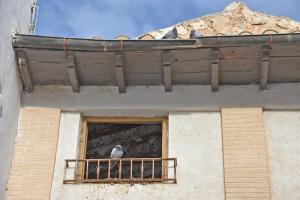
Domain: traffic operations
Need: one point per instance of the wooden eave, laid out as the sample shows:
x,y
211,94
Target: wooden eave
x,y
215,61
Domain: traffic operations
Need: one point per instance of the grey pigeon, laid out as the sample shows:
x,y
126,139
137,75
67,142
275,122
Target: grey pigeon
x,y
116,152
194,34
172,34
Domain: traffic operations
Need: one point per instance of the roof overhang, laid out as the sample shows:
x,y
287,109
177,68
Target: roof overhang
x,y
218,60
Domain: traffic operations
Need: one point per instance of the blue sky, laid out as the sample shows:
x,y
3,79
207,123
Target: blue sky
x,y
109,18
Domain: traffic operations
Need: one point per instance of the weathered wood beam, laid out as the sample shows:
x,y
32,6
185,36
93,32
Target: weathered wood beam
x,y
166,59
119,72
31,41
215,69
24,70
264,70
71,65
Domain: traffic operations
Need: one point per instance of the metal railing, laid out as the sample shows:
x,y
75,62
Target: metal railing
x,y
124,170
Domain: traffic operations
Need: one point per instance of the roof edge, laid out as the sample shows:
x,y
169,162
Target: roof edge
x,y
80,44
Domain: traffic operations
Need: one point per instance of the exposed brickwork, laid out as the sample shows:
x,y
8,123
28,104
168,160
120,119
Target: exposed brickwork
x,y
245,157
34,155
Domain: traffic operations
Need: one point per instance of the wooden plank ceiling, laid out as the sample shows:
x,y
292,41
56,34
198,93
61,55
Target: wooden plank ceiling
x,y
234,65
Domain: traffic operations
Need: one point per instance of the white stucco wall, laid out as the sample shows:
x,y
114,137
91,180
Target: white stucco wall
x,y
194,139
153,100
69,131
283,139
14,16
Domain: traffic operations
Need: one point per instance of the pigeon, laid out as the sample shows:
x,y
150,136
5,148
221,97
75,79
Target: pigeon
x,y
116,152
194,34
172,34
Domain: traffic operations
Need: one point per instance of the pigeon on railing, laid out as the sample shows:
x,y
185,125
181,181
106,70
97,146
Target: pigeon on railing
x,y
116,153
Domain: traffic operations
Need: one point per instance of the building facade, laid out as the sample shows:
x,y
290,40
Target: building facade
x,y
212,117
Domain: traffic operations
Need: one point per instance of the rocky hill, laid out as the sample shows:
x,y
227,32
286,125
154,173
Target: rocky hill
x,y
236,19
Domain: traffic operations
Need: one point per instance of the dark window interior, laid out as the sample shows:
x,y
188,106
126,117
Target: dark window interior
x,y
137,140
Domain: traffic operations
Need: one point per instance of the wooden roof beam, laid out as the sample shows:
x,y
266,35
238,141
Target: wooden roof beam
x,y
24,70
72,72
215,69
166,59
264,70
119,72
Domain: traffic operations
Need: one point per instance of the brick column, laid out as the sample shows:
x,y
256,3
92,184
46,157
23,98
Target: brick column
x,y
245,157
32,166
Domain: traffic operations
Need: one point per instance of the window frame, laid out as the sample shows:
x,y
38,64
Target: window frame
x,y
79,176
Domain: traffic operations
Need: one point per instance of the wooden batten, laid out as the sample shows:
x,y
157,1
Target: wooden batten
x,y
24,70
264,71
79,174
72,72
215,70
119,72
166,59
165,147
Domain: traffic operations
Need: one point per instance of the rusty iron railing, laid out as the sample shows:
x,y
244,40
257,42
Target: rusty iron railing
x,y
124,170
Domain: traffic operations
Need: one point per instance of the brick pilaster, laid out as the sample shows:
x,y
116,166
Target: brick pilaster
x,y
245,157
32,166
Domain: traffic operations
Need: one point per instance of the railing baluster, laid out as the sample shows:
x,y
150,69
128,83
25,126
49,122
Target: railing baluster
x,y
142,169
175,166
87,170
65,168
85,176
120,170
108,173
153,166
98,169
131,169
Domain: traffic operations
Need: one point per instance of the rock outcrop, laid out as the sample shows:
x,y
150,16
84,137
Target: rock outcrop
x,y
236,19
